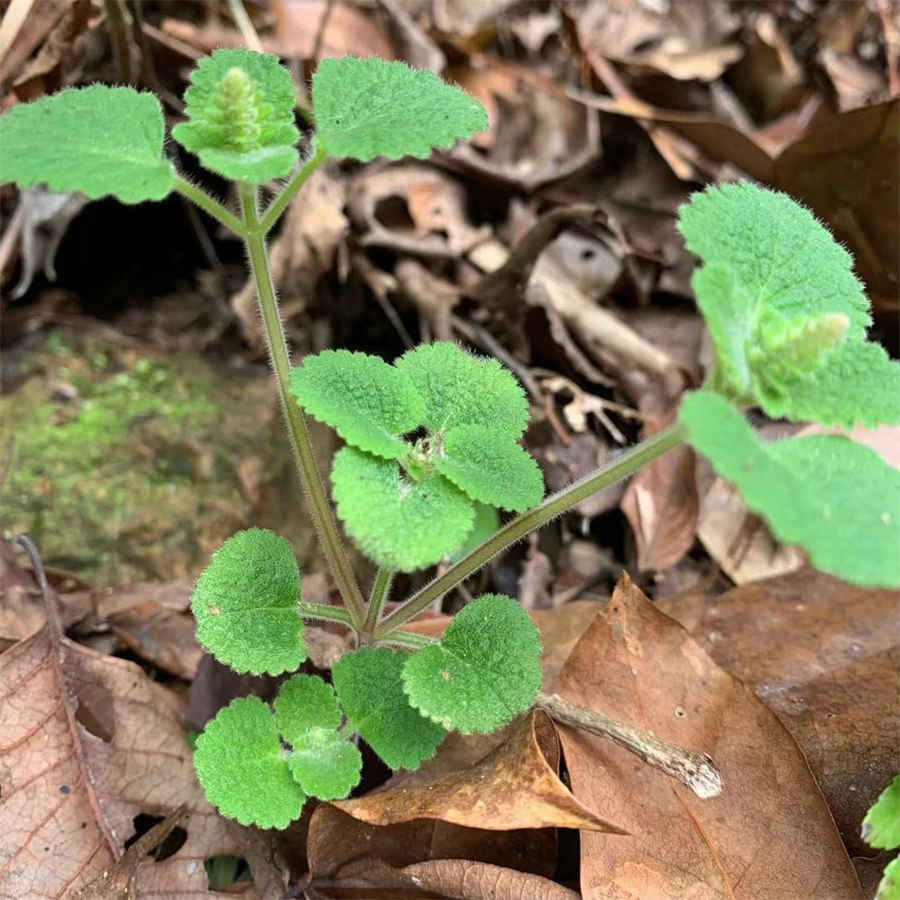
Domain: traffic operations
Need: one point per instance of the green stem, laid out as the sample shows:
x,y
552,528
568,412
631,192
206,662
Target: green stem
x,y
408,640
324,613
318,505
280,203
380,588
211,207
515,530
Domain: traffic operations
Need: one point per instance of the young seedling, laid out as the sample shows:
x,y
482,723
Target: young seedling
x,y
881,829
432,440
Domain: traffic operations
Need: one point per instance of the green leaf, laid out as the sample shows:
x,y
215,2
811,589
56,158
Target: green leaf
x,y
245,604
369,685
370,107
98,140
490,468
461,389
307,714
838,500
241,765
397,522
881,826
485,671
889,886
368,402
487,521
787,315
240,109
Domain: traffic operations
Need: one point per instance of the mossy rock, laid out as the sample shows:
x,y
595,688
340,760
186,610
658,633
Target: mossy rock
x,y
130,466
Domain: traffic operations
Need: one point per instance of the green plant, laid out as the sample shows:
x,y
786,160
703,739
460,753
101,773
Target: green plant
x,y
432,441
881,829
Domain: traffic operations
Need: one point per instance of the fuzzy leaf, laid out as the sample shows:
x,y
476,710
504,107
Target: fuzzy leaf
x,y
487,521
370,107
398,523
98,140
245,604
240,109
461,389
838,500
307,713
881,826
368,402
485,671
490,468
786,313
369,686
889,886
239,762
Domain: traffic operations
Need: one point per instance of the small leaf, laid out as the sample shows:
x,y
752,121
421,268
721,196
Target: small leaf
x,y
487,521
368,402
461,389
397,522
490,468
307,714
98,140
786,313
881,826
368,684
889,886
240,109
485,671
241,766
370,107
245,604
838,500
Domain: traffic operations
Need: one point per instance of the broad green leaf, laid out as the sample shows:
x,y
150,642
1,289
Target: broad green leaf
x,y
240,109
786,313
368,402
397,522
307,713
98,140
490,467
838,500
487,521
370,107
881,826
240,763
889,886
368,683
485,671
245,604
461,389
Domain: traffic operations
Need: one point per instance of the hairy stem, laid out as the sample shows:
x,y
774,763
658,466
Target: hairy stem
x,y
323,613
408,640
280,203
380,589
211,207
696,770
314,489
515,530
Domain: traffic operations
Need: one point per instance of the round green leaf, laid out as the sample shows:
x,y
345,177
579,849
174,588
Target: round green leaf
x,y
245,604
368,402
370,107
487,521
889,886
369,686
485,671
240,109
98,140
240,763
398,523
881,826
461,389
490,467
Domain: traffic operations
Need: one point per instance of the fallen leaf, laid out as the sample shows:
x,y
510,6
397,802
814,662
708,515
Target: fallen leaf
x,y
825,656
768,834
515,786
339,28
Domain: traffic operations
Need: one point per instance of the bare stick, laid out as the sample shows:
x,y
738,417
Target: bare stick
x,y
696,770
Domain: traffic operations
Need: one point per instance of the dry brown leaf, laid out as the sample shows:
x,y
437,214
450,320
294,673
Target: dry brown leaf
x,y
87,743
347,30
768,834
825,656
515,786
